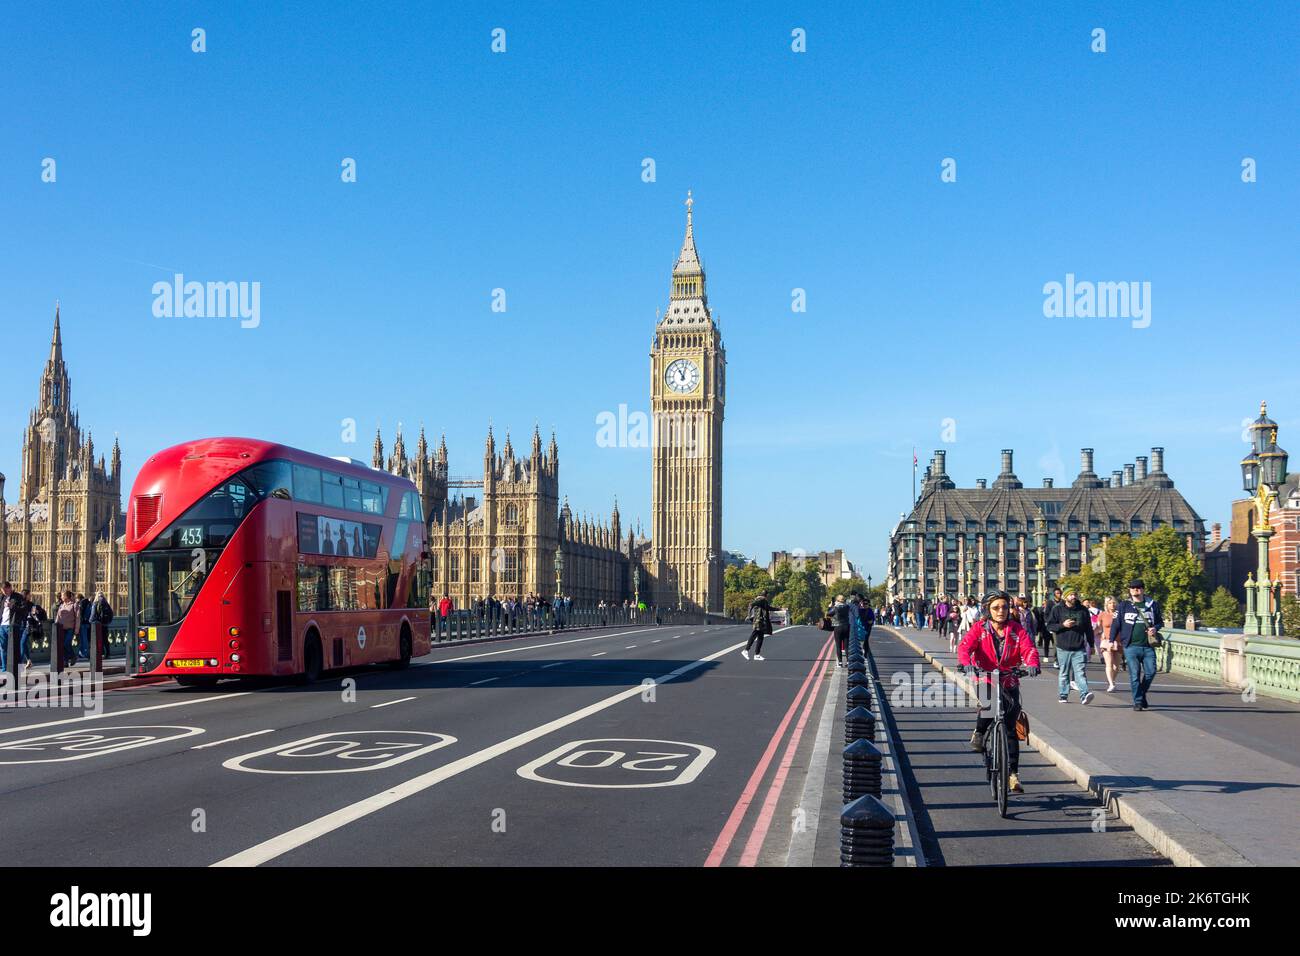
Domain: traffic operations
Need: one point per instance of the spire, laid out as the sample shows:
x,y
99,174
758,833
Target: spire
x,y
56,343
553,452
687,302
377,458
422,446
509,450
442,449
491,448
537,442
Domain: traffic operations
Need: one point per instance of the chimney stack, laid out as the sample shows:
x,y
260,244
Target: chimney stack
x,y
1157,461
1116,478
1085,460
940,462
1006,460
1128,474
1217,535
981,483
1048,482
1141,474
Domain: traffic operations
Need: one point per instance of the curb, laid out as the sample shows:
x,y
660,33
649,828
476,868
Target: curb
x,y
1169,832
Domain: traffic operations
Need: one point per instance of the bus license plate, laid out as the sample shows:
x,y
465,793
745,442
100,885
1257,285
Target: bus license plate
x,y
190,663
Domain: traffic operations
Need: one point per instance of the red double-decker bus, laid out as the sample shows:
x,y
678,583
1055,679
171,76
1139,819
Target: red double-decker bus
x,y
249,558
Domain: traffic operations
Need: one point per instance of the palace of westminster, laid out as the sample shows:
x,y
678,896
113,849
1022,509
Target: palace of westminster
x,y
64,531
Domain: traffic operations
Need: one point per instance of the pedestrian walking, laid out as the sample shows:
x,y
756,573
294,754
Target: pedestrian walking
x,y
838,612
1137,627
13,621
1071,628
66,626
101,615
760,613
1110,649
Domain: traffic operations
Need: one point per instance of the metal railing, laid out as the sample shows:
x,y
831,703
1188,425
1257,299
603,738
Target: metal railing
x,y
468,625
40,639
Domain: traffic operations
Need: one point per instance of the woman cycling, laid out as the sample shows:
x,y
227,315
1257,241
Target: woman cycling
x,y
997,641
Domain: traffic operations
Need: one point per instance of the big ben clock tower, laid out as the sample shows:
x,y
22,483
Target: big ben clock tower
x,y
687,390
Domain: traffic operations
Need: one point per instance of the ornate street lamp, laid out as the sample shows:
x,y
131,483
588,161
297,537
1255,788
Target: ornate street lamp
x,y
969,554
1263,471
559,569
1040,586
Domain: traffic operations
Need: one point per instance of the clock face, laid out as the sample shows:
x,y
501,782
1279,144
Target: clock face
x,y
682,376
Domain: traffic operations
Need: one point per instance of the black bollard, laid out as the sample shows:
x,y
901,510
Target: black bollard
x,y
866,833
859,695
861,770
860,723
858,677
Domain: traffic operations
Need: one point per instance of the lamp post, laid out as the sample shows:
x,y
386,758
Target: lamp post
x,y
1040,585
559,570
968,556
1262,471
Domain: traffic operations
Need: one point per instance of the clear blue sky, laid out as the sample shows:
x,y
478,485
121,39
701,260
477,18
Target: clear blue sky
x,y
522,171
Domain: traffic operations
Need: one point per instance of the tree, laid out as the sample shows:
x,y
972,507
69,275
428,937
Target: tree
x,y
1224,611
1171,573
801,590
1290,615
741,584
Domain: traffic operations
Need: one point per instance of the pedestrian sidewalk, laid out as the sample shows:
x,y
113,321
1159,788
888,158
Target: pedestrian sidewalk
x,y
1204,776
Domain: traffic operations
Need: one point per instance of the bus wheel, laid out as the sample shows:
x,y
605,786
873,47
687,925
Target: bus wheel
x,y
196,680
404,660
313,663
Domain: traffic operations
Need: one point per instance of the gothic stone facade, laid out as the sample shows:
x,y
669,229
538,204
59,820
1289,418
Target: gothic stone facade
x,y
63,531
688,366
992,531
505,544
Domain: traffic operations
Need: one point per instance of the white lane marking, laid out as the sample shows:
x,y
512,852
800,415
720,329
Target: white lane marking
x,y
629,647
299,836
388,749
600,654
231,740
544,666
400,700
93,742
123,713
529,647
656,640
485,681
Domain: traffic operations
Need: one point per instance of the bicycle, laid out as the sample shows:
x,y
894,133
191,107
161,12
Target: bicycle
x,y
996,757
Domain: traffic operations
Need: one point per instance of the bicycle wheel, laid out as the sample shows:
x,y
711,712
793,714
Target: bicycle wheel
x,y
991,759
1004,770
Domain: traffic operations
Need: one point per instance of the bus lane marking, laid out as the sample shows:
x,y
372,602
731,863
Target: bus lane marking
x,y
283,843
371,749
583,761
93,742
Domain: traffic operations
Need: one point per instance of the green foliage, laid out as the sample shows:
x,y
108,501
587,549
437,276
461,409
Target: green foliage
x,y
1224,611
877,595
801,590
1172,574
1290,615
740,585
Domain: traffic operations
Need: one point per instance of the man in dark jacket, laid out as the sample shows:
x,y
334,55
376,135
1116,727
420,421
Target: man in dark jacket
x,y
13,618
760,612
1137,626
1071,626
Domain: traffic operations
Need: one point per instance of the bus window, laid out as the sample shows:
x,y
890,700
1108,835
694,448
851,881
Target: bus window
x,y
270,478
370,502
306,484
331,490
351,494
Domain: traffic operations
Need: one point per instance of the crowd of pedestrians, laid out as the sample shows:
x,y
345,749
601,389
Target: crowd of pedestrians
x,y
530,611
1068,633
76,620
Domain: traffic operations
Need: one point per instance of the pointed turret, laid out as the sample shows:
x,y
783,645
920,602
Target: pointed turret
x,y
688,301
537,443
442,449
508,450
377,458
422,447
117,458
56,343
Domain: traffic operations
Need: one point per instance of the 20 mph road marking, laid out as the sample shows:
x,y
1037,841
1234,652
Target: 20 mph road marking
x,y
300,836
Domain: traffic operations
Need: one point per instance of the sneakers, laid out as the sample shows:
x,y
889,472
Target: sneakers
x,y
1144,704
1063,699
1013,784
1086,697
1137,706
976,741
758,657
745,654
1110,689
1073,686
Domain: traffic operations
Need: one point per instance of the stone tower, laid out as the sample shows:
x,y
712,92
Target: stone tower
x,y
687,392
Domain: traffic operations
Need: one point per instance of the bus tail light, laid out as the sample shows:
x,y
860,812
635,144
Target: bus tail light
x,y
234,632
234,645
234,667
213,662
234,658
144,646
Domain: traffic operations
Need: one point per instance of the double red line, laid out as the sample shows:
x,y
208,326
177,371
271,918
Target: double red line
x,y
808,695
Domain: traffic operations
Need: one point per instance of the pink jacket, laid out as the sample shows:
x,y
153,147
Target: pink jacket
x,y
976,649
